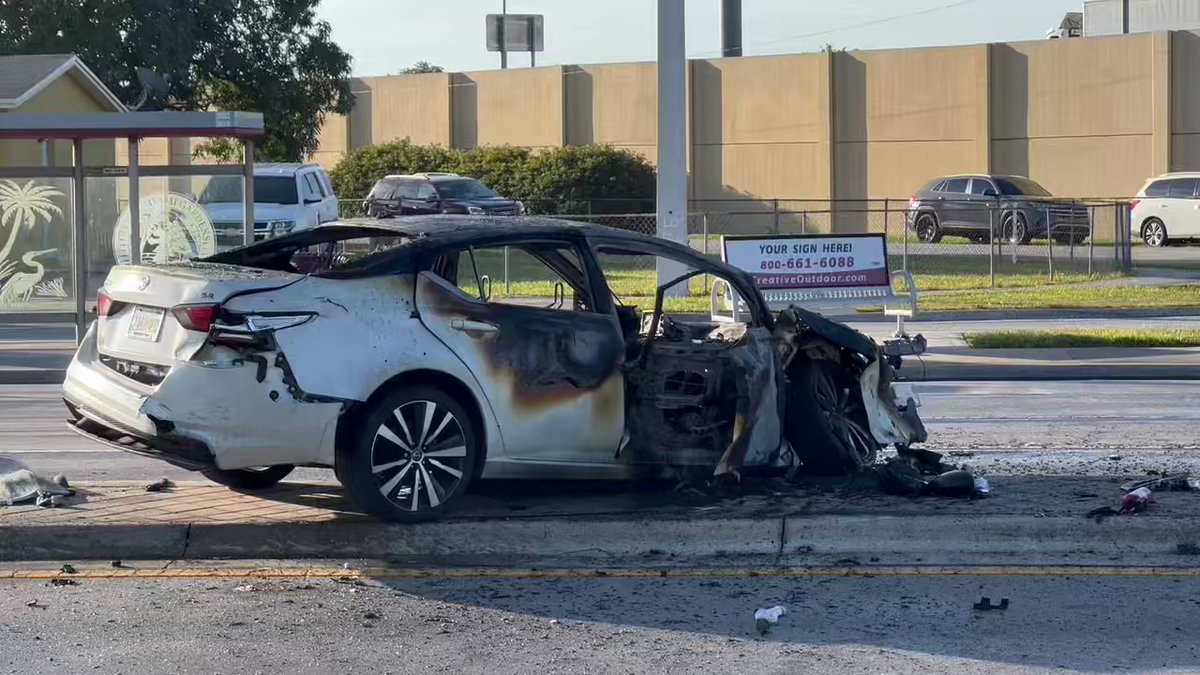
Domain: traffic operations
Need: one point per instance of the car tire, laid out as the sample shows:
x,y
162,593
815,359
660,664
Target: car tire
x,y
249,479
394,472
1154,233
826,423
927,229
1014,227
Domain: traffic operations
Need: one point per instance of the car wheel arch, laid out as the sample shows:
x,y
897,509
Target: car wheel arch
x,y
350,422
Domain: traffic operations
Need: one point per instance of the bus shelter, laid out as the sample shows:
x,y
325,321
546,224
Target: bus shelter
x,y
63,227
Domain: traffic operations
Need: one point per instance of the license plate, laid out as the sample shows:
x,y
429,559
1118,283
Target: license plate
x,y
146,323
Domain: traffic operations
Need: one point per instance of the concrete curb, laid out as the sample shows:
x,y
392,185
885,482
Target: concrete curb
x,y
638,542
929,370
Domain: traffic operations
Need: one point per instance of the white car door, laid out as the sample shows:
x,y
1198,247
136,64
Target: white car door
x,y
313,197
329,205
1184,209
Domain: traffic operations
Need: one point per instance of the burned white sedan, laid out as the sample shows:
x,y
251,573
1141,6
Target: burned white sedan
x,y
414,356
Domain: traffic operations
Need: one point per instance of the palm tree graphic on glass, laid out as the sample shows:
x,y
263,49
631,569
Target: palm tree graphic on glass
x,y
21,207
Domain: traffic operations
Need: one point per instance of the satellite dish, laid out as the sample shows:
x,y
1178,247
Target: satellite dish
x,y
156,91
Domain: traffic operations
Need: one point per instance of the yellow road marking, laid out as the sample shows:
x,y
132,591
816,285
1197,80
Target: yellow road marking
x,y
500,573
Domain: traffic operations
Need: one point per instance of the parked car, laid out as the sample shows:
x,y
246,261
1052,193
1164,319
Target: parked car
x,y
1167,209
1014,207
287,198
427,193
391,362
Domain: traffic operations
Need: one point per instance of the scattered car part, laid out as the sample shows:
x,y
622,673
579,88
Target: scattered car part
x,y
766,617
985,604
1136,501
160,485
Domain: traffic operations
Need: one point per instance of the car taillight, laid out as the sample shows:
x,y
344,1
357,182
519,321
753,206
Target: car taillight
x,y
1133,204
195,317
104,304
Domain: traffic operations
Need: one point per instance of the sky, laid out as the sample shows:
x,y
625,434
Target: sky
x,y
384,36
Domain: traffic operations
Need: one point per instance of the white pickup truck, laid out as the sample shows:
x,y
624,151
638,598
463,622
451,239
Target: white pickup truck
x,y
287,198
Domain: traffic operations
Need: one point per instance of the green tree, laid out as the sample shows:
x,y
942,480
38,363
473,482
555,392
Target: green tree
x,y
272,56
422,67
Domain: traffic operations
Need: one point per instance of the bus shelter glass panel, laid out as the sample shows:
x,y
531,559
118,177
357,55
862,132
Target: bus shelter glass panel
x,y
175,222
37,251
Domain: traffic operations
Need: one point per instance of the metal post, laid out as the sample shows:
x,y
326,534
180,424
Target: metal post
x,y
248,190
731,28
45,146
775,210
529,37
993,244
135,202
804,222
81,256
1049,243
500,34
672,137
885,218
704,227
904,254
1092,238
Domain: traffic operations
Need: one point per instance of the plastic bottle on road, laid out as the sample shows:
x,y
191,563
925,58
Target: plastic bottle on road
x,y
1136,501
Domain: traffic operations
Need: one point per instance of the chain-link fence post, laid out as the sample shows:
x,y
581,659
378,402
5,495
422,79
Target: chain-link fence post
x,y
507,285
804,222
776,225
993,244
1092,238
1049,242
704,228
904,255
885,220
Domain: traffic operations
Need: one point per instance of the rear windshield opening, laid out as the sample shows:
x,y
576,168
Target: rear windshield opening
x,y
313,252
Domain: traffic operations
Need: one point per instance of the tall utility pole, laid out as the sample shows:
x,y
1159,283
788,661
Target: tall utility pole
x,y
672,137
503,54
731,28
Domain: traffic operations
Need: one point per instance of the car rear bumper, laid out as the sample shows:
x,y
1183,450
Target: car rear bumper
x,y
231,413
108,408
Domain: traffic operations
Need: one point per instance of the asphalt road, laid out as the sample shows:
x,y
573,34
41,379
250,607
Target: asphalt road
x,y
1068,428
600,625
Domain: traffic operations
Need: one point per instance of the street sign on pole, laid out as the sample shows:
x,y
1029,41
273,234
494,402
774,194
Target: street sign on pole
x,y
515,33
672,137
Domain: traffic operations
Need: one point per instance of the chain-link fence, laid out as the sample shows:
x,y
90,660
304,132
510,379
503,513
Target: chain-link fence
x,y
944,247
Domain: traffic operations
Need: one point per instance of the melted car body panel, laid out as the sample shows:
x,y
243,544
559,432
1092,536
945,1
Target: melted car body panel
x,y
552,376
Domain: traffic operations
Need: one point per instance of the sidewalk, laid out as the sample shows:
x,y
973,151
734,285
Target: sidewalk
x,y
1026,521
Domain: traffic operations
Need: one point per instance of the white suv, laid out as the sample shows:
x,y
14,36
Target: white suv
x,y
287,198
1167,209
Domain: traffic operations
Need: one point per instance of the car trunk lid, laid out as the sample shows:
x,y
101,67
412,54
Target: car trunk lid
x,y
136,324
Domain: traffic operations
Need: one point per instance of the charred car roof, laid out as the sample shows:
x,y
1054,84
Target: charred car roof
x,y
435,233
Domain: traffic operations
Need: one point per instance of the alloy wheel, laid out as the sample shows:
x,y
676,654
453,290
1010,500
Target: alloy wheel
x,y
840,410
1155,234
419,455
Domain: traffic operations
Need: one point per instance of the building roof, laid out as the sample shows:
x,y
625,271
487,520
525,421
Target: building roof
x,y
155,124
24,76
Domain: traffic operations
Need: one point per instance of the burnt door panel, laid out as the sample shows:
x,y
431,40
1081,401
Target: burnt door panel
x,y
552,377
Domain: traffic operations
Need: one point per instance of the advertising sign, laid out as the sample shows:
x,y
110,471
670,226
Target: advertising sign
x,y
810,261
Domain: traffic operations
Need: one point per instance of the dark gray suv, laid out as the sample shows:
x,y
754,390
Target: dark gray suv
x,y
1015,208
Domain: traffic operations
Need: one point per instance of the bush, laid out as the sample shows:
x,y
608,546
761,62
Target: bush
x,y
589,179
572,180
355,175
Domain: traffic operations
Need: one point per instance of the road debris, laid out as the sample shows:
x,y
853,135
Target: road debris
x,y
985,604
768,616
916,472
1164,483
116,563
159,485
244,589
35,605
60,581
68,568
60,480
1136,501
19,484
